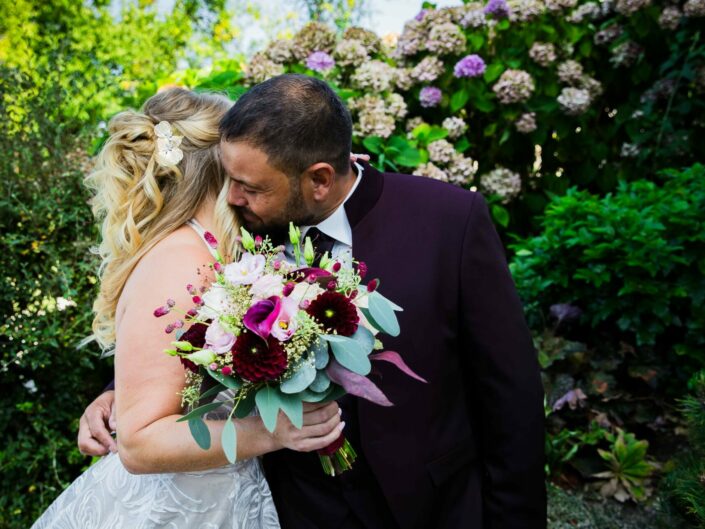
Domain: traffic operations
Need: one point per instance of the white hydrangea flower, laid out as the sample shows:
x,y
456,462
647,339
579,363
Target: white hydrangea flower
x,y
441,151
431,170
501,182
455,126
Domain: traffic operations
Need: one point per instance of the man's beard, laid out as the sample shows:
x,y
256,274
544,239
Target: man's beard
x,y
277,228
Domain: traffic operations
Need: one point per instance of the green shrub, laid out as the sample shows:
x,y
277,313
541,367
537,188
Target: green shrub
x,y
633,261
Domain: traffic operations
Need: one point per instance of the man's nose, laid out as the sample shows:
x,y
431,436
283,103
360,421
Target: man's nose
x,y
236,197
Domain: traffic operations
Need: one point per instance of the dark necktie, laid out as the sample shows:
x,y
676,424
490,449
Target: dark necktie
x,y
322,243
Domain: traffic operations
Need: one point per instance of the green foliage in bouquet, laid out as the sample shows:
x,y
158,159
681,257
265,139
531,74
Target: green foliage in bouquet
x,y
686,482
632,260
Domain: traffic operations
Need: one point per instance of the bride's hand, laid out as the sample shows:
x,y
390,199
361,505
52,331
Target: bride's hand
x,y
355,157
321,426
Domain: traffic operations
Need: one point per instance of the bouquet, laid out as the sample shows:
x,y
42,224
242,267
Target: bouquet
x,y
277,335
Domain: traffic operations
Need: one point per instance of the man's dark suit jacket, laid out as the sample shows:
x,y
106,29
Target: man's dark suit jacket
x,y
465,450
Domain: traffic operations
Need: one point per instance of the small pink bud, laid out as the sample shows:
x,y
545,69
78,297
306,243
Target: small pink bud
x,y
170,302
211,240
277,265
258,241
311,279
161,311
227,371
288,289
336,267
331,285
213,366
372,285
169,328
362,269
178,324
353,294
304,304
197,300
203,289
191,290
192,313
217,267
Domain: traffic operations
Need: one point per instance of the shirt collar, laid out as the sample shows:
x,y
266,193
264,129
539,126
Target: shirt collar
x,y
337,225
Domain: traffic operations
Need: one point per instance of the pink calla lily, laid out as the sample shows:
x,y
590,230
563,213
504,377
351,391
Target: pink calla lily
x,y
261,316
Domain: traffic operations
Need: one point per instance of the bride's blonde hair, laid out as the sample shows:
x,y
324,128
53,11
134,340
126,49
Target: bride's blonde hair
x,y
140,202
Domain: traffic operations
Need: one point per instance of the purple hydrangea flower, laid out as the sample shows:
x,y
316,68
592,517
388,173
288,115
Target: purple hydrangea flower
x,y
421,14
497,8
320,61
430,96
470,66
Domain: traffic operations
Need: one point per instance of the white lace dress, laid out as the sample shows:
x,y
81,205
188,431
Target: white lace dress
x,y
107,496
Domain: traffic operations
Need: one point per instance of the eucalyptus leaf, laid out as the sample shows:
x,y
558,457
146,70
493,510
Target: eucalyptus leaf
x,y
349,353
268,403
300,380
229,441
311,396
200,411
200,432
320,353
228,382
292,406
321,383
383,313
365,338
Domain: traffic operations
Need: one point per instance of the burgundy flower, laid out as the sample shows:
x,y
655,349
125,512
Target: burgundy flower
x,y
335,312
195,335
257,360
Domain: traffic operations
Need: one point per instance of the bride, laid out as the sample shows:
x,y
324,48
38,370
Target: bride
x,y
158,187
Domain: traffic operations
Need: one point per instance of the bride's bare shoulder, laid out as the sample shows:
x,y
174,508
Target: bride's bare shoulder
x,y
180,256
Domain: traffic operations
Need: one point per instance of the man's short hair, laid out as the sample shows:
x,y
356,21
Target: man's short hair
x,y
296,120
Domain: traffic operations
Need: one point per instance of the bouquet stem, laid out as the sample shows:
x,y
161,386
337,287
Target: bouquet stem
x,y
337,460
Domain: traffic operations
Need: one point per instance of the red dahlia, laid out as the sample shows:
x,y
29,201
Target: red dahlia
x,y
256,360
335,312
196,336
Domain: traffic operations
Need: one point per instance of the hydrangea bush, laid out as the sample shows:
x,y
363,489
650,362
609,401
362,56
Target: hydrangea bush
x,y
527,97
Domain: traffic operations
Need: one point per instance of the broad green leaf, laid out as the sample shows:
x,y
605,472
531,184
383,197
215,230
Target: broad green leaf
x,y
200,411
409,158
500,215
349,353
383,313
437,133
374,144
492,72
300,380
200,432
229,441
311,396
458,100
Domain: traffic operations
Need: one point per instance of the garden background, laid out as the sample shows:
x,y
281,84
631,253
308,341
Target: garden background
x,y
582,122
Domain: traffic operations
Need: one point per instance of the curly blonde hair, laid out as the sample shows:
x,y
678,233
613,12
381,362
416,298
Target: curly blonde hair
x,y
141,202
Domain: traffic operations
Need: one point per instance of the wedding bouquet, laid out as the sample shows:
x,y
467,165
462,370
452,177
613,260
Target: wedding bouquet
x,y
278,335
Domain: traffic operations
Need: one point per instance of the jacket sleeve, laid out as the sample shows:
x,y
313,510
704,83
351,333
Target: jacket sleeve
x,y
505,380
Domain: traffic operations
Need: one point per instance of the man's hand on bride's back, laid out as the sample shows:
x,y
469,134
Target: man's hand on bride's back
x,y
321,426
94,438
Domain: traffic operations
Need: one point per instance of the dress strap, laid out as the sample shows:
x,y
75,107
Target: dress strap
x,y
201,233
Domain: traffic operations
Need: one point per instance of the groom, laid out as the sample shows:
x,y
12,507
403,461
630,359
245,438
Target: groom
x,y
464,450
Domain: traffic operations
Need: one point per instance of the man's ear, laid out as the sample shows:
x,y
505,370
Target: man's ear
x,y
320,177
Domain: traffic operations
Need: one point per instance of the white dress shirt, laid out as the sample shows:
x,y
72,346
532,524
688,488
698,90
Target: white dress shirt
x,y
337,227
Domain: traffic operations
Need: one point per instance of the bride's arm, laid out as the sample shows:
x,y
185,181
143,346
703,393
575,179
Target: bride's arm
x,y
148,381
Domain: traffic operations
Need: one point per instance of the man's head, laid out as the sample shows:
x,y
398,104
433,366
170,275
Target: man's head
x,y
286,146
